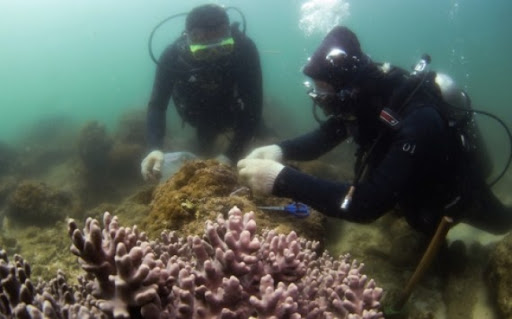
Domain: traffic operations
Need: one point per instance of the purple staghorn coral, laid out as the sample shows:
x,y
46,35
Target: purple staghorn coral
x,y
230,272
20,298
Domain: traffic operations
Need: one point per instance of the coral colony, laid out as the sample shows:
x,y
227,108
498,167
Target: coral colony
x,y
231,272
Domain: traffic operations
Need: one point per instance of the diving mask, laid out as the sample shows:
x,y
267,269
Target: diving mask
x,y
321,92
340,104
212,51
322,98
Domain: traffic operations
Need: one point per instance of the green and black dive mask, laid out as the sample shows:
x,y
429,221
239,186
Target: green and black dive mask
x,y
213,50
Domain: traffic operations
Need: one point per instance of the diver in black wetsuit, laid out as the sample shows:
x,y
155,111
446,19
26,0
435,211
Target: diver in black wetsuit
x,y
415,153
213,74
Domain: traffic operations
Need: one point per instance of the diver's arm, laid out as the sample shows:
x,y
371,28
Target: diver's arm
x,y
373,197
160,96
316,143
250,90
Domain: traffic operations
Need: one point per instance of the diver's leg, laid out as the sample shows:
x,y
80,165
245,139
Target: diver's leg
x,y
490,214
206,136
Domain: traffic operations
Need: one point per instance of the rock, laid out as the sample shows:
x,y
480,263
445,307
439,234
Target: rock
x,y
499,276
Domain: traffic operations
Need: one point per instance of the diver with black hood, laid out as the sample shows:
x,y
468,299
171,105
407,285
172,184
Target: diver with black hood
x,y
213,73
419,148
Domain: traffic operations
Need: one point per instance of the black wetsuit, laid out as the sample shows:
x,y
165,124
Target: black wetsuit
x,y
211,96
419,167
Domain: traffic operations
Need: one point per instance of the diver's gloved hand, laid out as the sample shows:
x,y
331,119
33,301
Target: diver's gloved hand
x,y
270,152
259,174
151,165
223,159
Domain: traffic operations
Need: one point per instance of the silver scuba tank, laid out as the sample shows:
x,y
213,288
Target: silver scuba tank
x,y
459,114
455,97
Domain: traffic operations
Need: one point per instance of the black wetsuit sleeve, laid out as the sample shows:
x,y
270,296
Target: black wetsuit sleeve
x,y
250,93
159,100
316,143
389,180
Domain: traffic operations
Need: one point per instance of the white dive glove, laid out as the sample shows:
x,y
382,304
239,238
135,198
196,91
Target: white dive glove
x,y
259,174
271,152
151,165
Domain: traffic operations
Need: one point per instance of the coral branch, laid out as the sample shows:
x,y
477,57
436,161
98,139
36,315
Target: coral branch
x,y
231,272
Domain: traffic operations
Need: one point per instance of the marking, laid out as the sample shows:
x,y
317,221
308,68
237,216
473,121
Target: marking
x,y
409,148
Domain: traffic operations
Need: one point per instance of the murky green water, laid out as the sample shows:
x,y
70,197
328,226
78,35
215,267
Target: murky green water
x,y
64,63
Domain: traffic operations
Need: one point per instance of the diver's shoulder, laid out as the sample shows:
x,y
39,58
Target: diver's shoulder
x,y
243,38
175,47
423,115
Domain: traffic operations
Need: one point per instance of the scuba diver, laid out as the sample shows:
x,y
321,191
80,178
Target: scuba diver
x,y
419,148
213,73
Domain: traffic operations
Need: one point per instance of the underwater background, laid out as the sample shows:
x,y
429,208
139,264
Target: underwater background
x,y
67,64
85,60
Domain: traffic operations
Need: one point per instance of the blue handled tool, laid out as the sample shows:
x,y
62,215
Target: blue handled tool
x,y
297,209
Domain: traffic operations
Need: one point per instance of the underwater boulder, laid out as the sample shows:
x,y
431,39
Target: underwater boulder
x,y
124,161
201,189
131,128
499,275
35,203
94,145
7,159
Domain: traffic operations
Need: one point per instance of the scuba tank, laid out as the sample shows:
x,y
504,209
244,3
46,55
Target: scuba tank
x,y
457,111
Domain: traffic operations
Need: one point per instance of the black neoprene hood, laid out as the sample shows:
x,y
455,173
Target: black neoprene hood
x,y
207,16
319,67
